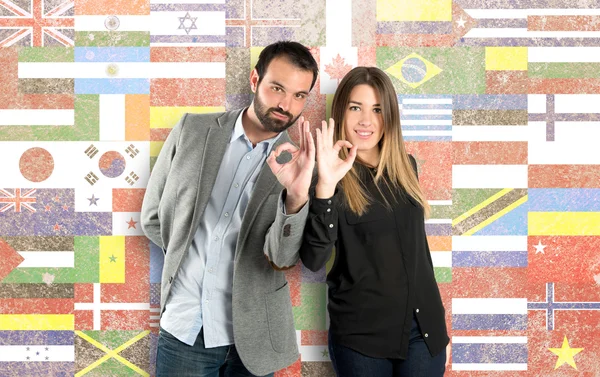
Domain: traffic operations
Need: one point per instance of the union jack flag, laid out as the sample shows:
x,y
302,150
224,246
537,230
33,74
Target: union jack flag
x,y
17,200
37,23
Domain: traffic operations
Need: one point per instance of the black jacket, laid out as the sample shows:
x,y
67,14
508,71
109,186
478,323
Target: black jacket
x,y
329,220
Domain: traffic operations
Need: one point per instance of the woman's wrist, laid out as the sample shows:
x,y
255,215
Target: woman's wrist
x,y
324,190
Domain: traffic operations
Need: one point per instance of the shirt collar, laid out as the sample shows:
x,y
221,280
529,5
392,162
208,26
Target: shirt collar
x,y
238,132
238,129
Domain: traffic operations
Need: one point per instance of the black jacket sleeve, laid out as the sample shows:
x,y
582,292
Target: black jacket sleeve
x,y
320,232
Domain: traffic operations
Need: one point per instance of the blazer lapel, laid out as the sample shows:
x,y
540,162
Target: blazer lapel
x,y
214,149
265,183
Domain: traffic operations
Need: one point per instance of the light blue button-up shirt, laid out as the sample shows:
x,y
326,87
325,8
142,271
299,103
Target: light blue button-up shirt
x,y
201,292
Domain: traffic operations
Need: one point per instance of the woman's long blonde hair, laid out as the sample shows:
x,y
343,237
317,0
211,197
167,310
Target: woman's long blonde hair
x,y
393,158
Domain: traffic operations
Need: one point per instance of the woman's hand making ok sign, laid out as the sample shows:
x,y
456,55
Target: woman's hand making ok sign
x,y
331,168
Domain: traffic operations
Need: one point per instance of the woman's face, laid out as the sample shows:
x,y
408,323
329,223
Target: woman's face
x,y
364,119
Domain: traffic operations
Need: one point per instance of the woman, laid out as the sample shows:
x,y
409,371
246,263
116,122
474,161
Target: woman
x,y
386,314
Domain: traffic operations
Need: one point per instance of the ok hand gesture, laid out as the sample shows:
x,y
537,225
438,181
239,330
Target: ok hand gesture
x,y
296,174
330,166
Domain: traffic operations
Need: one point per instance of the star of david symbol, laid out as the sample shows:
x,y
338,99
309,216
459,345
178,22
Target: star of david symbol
x,y
183,24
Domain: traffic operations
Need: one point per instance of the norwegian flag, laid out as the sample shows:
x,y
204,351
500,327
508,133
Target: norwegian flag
x,y
39,23
17,200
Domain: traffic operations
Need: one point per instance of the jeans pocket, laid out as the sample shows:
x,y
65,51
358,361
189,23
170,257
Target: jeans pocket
x,y
167,336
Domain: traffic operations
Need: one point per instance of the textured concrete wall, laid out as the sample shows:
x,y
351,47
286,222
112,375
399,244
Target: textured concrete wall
x,y
500,105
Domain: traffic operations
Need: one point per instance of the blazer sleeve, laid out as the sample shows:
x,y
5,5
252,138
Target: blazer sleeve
x,y
156,184
284,237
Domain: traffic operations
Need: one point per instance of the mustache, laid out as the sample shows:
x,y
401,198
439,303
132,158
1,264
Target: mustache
x,y
273,110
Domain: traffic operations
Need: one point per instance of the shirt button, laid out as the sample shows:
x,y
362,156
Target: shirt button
x,y
216,238
210,270
237,185
226,214
417,310
329,202
328,209
247,157
426,335
331,225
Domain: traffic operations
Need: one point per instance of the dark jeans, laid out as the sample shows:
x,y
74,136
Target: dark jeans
x,y
419,363
176,359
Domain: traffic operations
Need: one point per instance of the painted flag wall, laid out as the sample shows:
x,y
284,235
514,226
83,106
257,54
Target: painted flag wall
x,y
498,103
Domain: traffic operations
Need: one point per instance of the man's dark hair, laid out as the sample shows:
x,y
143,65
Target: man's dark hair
x,y
294,52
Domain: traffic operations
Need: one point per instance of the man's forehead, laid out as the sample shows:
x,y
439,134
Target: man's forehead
x,y
283,66
280,71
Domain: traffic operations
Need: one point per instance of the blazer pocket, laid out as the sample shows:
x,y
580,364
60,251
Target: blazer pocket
x,y
281,319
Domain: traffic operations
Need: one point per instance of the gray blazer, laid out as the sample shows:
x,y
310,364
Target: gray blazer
x,y
177,193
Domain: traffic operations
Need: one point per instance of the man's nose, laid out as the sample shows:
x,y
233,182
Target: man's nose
x,y
284,104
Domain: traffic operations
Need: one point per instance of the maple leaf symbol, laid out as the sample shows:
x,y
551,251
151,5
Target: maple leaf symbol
x,y
338,69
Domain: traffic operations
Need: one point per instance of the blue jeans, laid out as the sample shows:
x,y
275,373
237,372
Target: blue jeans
x,y
418,363
176,359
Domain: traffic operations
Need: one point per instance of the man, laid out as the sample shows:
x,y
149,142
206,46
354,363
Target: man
x,y
229,224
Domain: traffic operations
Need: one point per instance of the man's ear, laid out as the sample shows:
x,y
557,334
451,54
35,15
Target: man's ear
x,y
254,80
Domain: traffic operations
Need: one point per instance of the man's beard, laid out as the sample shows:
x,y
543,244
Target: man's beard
x,y
269,123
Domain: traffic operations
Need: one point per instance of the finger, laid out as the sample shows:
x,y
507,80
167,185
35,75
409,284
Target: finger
x,y
325,134
341,143
328,135
294,158
273,164
319,140
311,146
331,129
287,146
351,157
306,132
300,124
307,126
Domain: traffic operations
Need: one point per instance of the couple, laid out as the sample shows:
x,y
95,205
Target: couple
x,y
229,226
